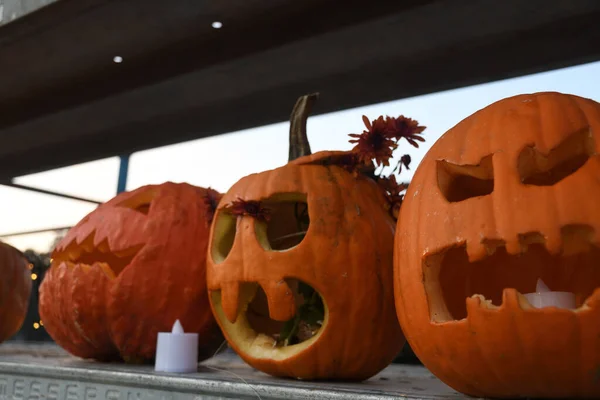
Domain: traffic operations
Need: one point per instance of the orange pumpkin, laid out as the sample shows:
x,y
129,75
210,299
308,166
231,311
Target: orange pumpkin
x,y
300,267
506,197
15,290
128,270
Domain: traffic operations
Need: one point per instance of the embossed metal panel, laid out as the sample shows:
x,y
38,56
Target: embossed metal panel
x,y
46,372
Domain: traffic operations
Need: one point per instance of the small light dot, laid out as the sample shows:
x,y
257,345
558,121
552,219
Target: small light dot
x,y
36,325
33,276
30,266
41,323
217,24
118,59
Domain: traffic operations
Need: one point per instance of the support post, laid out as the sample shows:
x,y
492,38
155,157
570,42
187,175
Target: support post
x,y
123,172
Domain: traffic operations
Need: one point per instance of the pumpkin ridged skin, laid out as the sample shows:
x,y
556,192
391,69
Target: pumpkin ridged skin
x,y
346,256
95,312
76,316
15,290
507,352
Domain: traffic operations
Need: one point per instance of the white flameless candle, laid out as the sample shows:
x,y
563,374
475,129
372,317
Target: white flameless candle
x,y
177,351
544,297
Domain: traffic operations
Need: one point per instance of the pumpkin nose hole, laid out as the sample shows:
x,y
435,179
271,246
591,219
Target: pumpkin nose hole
x,y
462,182
450,278
223,237
539,169
307,322
288,222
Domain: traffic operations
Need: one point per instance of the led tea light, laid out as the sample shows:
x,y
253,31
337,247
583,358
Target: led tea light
x,y
177,351
544,297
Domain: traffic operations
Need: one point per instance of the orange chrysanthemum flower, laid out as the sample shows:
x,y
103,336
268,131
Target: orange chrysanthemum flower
x,y
374,143
403,127
403,162
393,192
251,208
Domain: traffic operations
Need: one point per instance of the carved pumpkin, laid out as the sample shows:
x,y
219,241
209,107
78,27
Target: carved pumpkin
x,y
300,266
15,290
506,197
128,270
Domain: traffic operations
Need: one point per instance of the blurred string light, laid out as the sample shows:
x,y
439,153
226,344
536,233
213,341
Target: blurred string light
x,y
217,25
37,265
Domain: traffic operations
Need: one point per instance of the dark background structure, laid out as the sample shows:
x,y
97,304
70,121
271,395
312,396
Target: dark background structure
x,y
65,101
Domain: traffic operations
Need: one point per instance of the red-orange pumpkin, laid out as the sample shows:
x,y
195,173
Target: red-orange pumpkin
x,y
15,290
128,270
509,195
307,227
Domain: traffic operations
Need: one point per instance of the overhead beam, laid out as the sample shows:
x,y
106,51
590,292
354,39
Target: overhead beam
x,y
49,192
424,48
15,9
35,231
62,55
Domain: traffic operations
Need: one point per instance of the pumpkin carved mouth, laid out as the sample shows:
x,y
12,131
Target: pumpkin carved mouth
x,y
450,278
94,247
264,337
87,253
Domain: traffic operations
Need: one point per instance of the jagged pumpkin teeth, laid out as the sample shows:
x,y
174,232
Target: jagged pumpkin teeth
x,y
104,248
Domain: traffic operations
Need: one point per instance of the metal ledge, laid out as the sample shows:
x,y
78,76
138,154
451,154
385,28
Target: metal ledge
x,y
46,371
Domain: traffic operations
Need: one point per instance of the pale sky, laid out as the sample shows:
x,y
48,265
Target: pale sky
x,y
221,160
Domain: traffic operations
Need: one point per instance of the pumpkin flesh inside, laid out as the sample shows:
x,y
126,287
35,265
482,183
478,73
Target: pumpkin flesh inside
x,y
450,278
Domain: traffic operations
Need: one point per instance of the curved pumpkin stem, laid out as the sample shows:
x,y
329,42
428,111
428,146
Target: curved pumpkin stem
x,y
299,145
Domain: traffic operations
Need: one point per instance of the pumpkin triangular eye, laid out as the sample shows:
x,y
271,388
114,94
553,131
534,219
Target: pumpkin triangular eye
x,y
462,182
540,169
139,202
143,208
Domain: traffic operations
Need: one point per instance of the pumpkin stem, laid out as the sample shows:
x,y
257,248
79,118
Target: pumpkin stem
x,y
299,145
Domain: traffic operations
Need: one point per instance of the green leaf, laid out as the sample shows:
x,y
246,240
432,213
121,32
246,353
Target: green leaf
x,y
286,330
290,330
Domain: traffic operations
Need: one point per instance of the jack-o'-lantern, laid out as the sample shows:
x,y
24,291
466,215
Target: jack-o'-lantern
x,y
15,290
508,196
300,262
129,270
